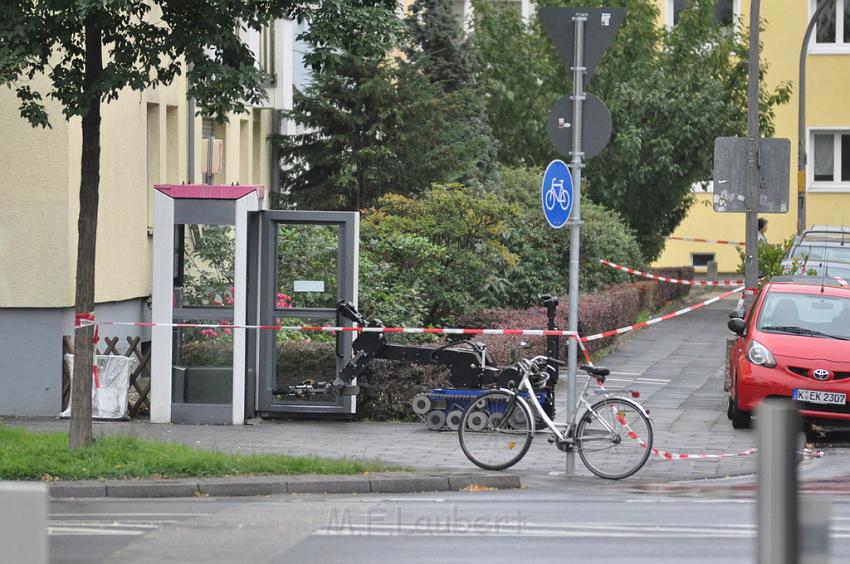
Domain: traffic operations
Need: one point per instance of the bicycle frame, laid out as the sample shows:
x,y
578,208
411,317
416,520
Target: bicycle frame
x,y
525,385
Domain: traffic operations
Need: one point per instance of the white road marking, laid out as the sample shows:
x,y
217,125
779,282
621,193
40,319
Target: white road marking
x,y
670,500
86,531
436,527
106,524
130,515
653,380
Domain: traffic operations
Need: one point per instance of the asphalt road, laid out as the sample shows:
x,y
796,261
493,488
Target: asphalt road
x,y
598,524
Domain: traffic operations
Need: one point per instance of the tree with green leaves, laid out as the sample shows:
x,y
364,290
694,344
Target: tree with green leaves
x,y
91,52
670,94
375,124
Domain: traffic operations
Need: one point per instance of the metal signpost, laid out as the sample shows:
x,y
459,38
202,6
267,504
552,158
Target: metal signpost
x,y
581,36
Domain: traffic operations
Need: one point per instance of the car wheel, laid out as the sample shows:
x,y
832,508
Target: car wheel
x,y
740,419
814,434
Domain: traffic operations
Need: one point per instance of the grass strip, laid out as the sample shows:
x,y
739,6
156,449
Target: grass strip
x,y
25,455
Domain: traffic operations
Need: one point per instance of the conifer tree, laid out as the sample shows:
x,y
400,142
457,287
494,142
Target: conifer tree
x,y
438,47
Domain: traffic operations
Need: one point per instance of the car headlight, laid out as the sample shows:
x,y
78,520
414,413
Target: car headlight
x,y
758,354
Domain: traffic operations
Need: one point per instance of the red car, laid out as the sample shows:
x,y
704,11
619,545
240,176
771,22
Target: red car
x,y
793,343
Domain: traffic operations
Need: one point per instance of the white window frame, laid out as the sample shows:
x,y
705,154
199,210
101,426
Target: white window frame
x,y
736,14
835,185
839,47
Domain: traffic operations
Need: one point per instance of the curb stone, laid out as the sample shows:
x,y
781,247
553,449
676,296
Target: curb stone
x,y
390,482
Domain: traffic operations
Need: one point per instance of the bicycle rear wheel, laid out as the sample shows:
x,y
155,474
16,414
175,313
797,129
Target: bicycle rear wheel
x,y
496,430
614,438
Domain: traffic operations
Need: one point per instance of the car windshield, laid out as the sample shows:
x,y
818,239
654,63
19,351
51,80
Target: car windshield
x,y
831,254
811,315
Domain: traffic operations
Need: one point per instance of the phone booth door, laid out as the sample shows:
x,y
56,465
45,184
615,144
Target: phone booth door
x,y
308,263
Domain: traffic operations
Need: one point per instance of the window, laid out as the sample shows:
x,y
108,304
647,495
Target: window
x,y
673,11
829,161
265,56
701,259
832,31
154,168
726,13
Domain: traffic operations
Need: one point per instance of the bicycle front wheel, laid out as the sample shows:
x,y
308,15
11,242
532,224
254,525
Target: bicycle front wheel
x,y
614,438
496,430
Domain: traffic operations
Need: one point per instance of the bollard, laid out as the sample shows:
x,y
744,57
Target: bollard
x,y
23,522
711,273
778,424
814,529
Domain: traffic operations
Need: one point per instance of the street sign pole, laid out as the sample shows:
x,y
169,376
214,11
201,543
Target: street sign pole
x,y
751,264
575,222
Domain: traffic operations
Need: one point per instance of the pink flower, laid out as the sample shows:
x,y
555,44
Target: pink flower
x,y
228,300
283,300
209,332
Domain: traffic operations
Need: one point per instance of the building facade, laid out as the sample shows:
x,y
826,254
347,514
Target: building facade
x,y
147,138
827,129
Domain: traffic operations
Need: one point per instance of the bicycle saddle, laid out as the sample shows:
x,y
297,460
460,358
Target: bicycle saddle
x,y
596,370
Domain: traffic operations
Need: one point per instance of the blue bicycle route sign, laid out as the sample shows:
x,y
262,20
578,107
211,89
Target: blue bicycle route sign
x,y
557,193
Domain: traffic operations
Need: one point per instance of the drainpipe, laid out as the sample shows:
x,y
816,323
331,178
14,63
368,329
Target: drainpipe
x,y
801,120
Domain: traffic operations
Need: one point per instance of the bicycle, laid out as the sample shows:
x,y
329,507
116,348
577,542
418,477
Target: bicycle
x,y
613,435
559,196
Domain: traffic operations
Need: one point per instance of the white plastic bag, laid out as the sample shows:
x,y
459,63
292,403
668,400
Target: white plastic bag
x,y
109,399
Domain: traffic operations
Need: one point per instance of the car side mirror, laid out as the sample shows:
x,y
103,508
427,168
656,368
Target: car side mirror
x,y
739,313
737,326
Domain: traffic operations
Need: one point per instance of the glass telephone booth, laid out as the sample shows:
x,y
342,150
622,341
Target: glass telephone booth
x,y
222,258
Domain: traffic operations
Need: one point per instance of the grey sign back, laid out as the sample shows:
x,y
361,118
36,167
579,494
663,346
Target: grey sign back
x,y
730,174
599,31
594,135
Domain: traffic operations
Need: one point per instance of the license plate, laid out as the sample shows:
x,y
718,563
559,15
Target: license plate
x,y
817,396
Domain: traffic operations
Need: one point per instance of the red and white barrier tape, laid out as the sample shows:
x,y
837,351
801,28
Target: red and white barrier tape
x,y
653,321
425,330
333,329
669,280
717,241
671,456
82,320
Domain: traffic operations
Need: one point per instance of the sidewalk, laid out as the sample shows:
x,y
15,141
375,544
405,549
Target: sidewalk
x,y
677,365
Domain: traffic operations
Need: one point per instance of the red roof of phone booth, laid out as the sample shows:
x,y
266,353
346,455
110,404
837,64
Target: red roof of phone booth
x,y
207,191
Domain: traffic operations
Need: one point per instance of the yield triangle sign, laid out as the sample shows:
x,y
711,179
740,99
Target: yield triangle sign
x,y
599,30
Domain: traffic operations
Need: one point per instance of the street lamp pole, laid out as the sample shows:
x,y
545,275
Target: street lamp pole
x,y
752,176
801,119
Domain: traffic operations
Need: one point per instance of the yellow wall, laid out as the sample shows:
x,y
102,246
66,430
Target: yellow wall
x,y
35,268
828,82
40,205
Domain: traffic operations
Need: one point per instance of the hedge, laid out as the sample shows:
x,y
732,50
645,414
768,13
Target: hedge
x,y
612,308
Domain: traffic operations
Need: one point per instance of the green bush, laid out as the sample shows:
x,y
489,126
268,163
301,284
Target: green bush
x,y
447,244
542,266
387,388
770,258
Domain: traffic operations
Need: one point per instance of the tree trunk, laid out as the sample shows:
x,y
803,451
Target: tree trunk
x,y
80,432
